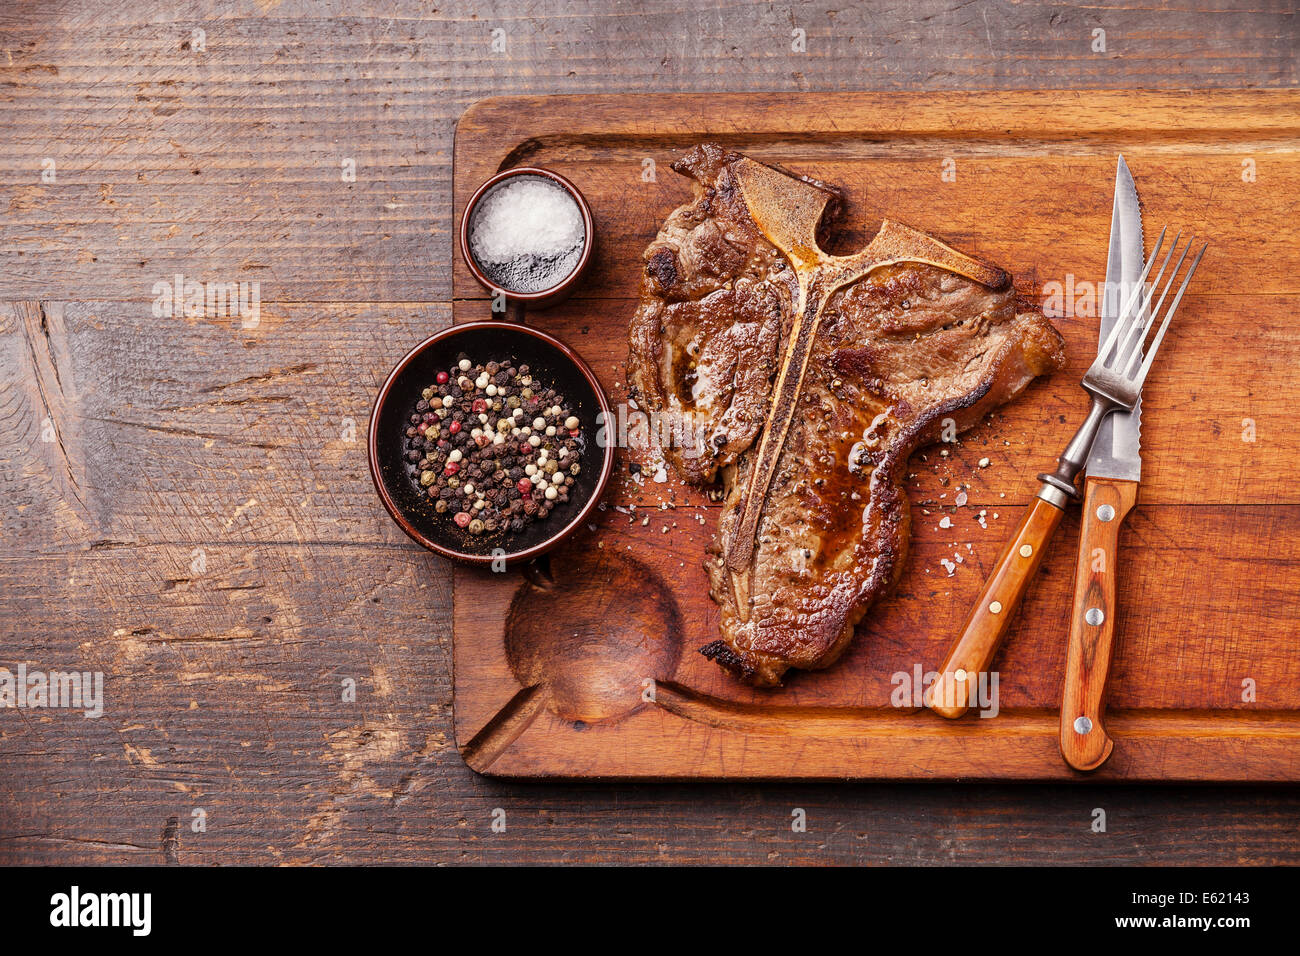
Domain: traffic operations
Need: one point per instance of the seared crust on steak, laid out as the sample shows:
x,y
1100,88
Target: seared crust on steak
x,y
706,337
883,378
897,353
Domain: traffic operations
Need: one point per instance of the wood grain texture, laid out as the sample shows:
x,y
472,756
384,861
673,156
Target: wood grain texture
x,y
1107,502
847,720
993,610
127,107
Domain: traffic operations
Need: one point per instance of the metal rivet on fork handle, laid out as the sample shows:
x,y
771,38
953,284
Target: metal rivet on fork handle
x,y
1094,616
1105,513
1082,726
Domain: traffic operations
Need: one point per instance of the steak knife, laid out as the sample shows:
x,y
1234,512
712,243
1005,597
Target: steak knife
x,y
1110,491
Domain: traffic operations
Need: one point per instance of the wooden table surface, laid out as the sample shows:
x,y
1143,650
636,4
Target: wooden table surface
x,y
188,508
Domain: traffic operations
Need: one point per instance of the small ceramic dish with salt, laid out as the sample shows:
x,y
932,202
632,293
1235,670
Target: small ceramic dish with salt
x,y
527,233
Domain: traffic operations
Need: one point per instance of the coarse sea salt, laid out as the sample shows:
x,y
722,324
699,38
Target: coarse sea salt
x,y
527,234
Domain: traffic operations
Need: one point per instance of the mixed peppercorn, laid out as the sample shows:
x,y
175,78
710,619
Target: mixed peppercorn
x,y
492,448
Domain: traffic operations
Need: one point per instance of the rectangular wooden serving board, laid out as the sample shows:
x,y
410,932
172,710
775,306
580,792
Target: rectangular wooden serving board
x,y
550,670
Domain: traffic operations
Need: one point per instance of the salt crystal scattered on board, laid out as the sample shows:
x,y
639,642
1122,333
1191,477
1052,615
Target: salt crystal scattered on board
x,y
945,522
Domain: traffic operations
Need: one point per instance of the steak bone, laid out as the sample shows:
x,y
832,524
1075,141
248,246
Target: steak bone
x,y
788,212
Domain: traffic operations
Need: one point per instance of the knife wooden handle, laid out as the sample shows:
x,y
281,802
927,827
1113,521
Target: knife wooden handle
x,y
973,651
1085,744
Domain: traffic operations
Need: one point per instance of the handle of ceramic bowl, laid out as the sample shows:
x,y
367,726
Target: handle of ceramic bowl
x,y
537,572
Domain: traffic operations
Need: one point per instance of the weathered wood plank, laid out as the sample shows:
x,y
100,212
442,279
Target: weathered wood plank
x,y
174,429
209,707
120,99
224,669
225,163
167,429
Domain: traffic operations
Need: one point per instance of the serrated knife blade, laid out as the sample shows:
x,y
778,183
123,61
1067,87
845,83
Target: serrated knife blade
x,y
1116,453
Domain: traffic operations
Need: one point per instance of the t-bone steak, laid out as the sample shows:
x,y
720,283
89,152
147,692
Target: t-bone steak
x,y
805,381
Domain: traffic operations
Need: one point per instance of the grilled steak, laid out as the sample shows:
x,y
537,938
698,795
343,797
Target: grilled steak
x,y
897,353
705,339
897,345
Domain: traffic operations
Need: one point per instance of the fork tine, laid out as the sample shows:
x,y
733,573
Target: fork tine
x,y
1133,321
1138,286
1134,357
1155,344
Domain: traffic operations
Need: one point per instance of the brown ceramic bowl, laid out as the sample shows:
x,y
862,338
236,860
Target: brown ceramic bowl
x,y
545,297
550,362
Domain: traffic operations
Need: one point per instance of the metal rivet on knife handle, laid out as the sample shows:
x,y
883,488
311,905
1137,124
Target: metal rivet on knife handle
x,y
1082,726
1092,638
1113,382
1105,513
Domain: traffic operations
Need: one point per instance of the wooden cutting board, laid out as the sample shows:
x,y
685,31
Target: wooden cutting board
x,y
589,668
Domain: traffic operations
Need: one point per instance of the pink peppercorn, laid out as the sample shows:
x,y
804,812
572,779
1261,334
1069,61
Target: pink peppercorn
x,y
452,468
454,427
524,486
462,518
422,427
442,378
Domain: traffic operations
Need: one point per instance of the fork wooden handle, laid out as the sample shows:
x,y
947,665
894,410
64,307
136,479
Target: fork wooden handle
x,y
991,616
1085,745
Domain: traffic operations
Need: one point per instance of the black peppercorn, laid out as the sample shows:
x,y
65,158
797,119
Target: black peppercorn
x,y
493,463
